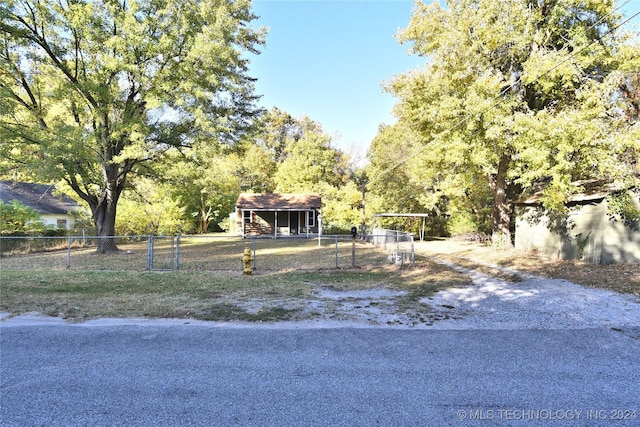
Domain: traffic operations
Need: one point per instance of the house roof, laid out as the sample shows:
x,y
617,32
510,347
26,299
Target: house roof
x,y
592,190
38,197
283,202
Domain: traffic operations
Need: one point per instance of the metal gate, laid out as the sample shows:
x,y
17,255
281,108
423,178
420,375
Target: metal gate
x,y
161,253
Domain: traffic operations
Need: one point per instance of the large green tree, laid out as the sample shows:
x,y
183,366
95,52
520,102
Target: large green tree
x,y
518,94
149,208
90,89
206,182
277,130
311,163
398,184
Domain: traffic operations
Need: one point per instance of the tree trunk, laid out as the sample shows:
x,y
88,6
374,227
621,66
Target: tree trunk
x,y
205,215
104,218
501,213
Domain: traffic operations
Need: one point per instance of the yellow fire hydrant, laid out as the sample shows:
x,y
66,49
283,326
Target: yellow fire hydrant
x,y
247,261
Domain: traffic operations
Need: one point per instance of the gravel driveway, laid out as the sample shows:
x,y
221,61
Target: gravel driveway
x,y
489,303
533,303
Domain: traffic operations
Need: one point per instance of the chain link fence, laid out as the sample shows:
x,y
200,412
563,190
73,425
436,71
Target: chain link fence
x,y
205,253
398,245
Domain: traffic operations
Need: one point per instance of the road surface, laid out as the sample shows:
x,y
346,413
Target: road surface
x,y
186,373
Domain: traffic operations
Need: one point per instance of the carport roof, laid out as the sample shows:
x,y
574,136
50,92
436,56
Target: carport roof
x,y
279,202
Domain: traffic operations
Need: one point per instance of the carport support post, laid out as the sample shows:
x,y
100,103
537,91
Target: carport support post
x,y
337,266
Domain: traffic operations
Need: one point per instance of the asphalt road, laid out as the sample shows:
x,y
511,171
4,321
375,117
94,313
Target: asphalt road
x,y
199,374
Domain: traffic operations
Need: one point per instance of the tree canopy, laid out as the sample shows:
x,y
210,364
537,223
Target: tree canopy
x,y
519,95
89,90
151,101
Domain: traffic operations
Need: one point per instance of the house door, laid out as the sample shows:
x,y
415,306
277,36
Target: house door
x,y
294,222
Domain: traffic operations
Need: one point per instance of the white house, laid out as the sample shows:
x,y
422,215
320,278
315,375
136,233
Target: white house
x,y
55,211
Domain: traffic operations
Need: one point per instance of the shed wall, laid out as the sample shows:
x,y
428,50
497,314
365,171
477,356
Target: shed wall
x,y
590,236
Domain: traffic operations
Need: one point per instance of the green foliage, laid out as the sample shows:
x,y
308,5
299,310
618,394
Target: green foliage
x,y
395,176
621,206
90,90
517,95
581,243
278,129
149,209
16,217
310,163
462,223
342,208
204,182
256,169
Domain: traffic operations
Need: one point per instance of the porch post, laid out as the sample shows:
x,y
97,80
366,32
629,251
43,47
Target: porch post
x,y
275,228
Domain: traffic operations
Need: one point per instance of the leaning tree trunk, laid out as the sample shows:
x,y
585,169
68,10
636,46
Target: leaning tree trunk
x,y
501,213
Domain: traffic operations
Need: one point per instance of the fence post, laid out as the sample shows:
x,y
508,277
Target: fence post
x,y
68,252
173,253
178,252
255,241
353,252
413,253
150,253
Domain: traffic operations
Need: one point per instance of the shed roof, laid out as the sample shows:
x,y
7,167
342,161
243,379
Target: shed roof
x,y
591,190
283,202
38,197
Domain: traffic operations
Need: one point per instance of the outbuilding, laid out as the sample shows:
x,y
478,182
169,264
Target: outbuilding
x,y
276,215
591,231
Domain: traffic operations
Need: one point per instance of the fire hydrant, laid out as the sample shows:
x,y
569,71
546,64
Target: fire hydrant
x,y
247,261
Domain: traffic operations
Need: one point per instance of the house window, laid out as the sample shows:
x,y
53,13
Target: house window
x,y
62,223
311,219
246,216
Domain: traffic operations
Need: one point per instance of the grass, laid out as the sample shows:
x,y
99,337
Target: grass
x,y
81,295
289,275
198,253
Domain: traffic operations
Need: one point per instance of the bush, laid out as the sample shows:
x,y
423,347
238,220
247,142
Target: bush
x,y
52,232
17,217
462,223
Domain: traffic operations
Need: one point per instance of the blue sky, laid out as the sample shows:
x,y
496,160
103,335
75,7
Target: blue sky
x,y
328,59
